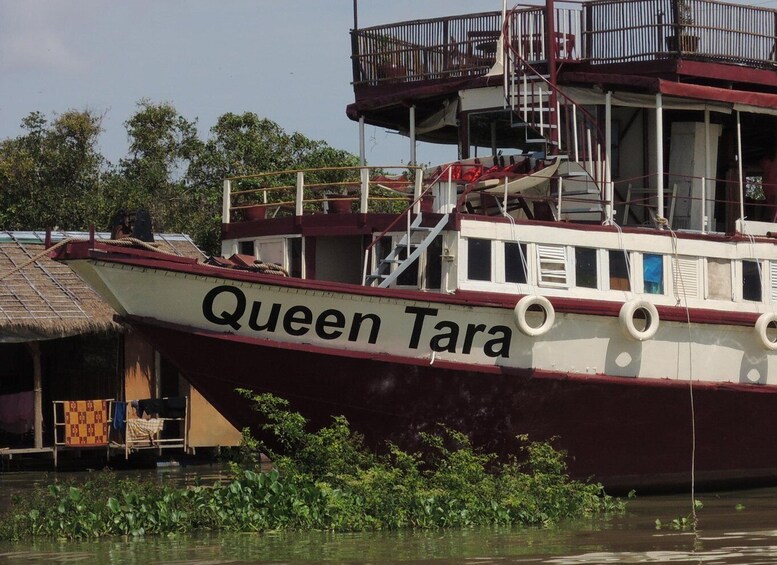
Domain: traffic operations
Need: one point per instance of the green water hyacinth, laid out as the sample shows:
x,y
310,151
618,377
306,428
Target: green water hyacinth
x,y
324,480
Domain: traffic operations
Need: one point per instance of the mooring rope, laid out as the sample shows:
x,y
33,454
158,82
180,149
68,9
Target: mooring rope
x,y
678,275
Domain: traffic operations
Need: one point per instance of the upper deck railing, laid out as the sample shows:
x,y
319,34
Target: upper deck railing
x,y
644,30
457,46
598,32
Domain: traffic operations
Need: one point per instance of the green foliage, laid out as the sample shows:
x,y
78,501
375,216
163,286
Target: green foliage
x,y
323,480
54,175
51,175
682,522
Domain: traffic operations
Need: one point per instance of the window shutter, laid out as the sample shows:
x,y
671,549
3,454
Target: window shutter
x,y
686,276
552,260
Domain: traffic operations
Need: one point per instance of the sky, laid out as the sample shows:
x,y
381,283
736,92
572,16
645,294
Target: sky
x,y
286,60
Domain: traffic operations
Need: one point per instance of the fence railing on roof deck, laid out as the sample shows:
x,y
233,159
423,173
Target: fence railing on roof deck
x,y
343,190
456,46
600,32
646,30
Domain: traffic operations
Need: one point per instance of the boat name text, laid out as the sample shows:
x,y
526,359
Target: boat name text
x,y
332,324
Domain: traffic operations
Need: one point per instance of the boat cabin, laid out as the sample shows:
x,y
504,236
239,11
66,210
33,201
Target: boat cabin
x,y
587,140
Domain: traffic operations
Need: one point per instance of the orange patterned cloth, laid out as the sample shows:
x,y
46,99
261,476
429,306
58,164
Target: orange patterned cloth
x,y
86,423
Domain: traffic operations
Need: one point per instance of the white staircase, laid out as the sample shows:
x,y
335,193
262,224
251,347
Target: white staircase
x,y
413,243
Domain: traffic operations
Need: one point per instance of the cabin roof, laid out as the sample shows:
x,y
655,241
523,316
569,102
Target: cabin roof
x,y
44,299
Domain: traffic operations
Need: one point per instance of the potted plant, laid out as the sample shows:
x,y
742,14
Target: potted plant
x,y
389,62
682,41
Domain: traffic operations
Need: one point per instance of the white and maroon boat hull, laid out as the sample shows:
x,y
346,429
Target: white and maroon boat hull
x,y
399,362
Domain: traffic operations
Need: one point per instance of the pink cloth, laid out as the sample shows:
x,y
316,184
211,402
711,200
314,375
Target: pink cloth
x,y
17,412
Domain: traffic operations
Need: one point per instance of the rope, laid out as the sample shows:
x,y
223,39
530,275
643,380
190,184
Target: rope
x,y
524,261
676,257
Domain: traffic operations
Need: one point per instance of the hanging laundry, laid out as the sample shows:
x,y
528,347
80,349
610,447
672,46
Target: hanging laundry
x,y
86,423
17,412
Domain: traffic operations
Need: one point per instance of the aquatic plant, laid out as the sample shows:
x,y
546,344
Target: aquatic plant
x,y
324,480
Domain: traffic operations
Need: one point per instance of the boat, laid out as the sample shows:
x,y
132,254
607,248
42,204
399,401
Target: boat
x,y
596,263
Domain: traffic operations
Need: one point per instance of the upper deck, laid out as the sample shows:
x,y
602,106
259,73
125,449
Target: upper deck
x,y
719,44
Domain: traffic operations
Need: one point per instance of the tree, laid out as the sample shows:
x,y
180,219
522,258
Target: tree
x,y
243,144
162,144
54,175
50,175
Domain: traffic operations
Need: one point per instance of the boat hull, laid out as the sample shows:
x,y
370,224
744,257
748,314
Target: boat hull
x,y
621,432
396,363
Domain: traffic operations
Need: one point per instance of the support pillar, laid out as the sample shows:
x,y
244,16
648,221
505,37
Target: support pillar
x,y
412,135
660,155
37,385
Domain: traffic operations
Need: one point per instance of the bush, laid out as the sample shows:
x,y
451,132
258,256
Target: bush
x,y
324,480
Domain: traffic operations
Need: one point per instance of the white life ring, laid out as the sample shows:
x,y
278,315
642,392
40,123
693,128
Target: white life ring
x,y
523,306
761,327
629,309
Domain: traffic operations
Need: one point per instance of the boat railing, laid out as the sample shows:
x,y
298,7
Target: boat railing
x,y
598,32
646,30
298,192
457,46
693,202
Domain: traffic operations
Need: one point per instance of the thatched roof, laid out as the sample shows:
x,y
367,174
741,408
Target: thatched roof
x,y
46,299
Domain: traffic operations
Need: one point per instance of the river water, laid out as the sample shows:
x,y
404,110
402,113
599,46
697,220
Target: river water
x,y
733,527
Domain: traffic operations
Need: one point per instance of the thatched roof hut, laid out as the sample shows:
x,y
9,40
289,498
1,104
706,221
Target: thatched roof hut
x,y
45,299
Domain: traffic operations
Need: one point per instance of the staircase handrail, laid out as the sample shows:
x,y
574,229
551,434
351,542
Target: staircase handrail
x,y
405,213
509,48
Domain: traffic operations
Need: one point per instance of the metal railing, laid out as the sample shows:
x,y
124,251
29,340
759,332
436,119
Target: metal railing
x,y
644,30
456,46
600,32
301,192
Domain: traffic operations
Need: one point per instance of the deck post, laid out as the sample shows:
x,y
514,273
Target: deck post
x,y
660,156
364,175
707,173
225,201
419,186
608,156
739,170
362,151
300,193
412,134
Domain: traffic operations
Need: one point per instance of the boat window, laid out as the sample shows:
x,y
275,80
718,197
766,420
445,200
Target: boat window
x,y
381,251
246,248
619,270
408,277
751,281
295,256
479,259
271,251
719,278
433,270
653,273
516,265
585,267
552,260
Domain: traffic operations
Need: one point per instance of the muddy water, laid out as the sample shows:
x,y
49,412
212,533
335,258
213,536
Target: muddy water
x,y
734,527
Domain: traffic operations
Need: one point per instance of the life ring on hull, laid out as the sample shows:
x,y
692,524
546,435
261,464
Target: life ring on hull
x,y
762,327
649,313
534,301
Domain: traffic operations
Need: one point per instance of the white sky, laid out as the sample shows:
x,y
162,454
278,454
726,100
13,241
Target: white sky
x,y
287,60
